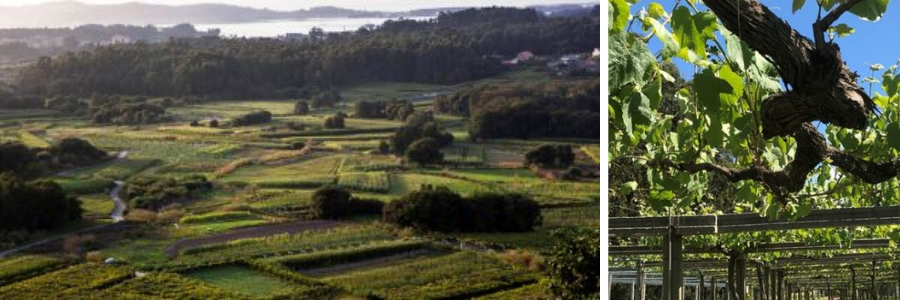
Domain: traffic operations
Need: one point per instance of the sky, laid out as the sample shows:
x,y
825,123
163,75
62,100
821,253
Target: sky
x,y
380,5
871,43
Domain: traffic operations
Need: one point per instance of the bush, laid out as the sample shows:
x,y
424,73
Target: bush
x,y
214,123
32,206
550,156
330,203
334,122
301,107
424,151
361,206
195,123
253,118
443,210
573,262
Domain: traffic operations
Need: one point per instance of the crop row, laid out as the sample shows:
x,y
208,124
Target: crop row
x,y
296,183
18,268
458,275
216,216
31,140
375,182
364,164
467,155
346,255
66,283
281,244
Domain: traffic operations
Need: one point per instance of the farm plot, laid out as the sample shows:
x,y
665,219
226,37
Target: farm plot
x,y
465,155
405,183
168,151
22,267
366,163
372,182
458,275
353,258
231,249
31,140
166,286
241,280
79,280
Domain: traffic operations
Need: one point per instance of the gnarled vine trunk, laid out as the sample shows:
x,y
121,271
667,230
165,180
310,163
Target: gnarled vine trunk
x,y
820,88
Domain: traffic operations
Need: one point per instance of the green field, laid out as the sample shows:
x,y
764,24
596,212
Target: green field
x,y
241,280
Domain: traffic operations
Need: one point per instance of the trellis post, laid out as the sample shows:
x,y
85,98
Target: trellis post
x,y
642,281
700,287
673,278
874,285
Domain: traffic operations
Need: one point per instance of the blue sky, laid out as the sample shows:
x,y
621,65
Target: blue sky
x,y
873,42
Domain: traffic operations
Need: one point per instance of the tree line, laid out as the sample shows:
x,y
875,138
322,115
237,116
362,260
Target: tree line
x,y
450,50
558,109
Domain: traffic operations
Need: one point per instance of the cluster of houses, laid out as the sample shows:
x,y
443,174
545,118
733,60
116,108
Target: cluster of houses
x,y
577,64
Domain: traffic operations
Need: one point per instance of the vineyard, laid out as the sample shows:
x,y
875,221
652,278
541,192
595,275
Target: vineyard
x,y
374,182
233,215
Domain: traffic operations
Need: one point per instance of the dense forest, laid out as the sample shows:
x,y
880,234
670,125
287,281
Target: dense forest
x,y
455,47
22,161
554,109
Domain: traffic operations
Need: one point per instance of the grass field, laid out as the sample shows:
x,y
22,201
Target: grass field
x,y
241,280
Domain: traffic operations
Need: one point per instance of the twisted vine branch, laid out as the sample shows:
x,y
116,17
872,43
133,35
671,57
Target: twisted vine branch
x,y
823,89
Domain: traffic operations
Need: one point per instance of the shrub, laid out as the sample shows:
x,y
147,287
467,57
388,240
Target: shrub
x,y
361,206
334,122
195,123
253,118
550,156
214,123
78,244
301,107
34,205
443,210
424,151
94,256
330,203
572,264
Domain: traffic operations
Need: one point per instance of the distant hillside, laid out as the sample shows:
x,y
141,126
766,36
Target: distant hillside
x,y
74,13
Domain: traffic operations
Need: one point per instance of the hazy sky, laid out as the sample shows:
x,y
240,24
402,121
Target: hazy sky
x,y
381,5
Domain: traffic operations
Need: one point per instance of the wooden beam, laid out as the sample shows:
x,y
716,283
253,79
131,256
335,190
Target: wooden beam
x,y
751,222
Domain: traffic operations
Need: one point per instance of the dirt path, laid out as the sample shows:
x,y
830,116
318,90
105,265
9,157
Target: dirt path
x,y
367,264
250,232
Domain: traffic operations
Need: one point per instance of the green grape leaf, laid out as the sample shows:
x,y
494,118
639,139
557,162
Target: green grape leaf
x,y
890,83
842,30
715,134
692,32
738,52
630,62
670,45
660,200
870,10
828,4
653,91
628,188
893,135
656,10
798,4
718,92
620,11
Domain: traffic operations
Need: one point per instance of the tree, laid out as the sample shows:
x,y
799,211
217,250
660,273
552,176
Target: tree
x,y
301,108
425,151
334,122
32,206
214,123
574,264
253,118
736,106
550,156
330,203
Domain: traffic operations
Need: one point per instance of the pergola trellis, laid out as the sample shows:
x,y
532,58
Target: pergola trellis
x,y
773,277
